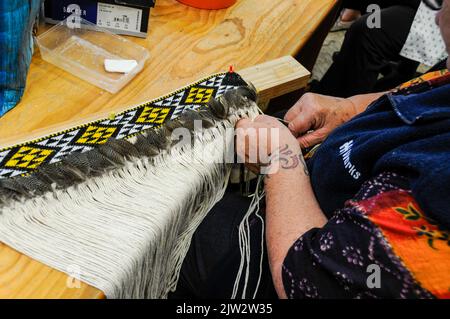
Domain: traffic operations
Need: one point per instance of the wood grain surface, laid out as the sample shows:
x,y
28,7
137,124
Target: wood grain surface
x,y
185,44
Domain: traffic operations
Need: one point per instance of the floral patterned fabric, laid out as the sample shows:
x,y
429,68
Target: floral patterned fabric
x,y
426,77
381,228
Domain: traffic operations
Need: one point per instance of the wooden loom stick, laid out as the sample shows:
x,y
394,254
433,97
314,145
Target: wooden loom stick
x,y
23,277
277,77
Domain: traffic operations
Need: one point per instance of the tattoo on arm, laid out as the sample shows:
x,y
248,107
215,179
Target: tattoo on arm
x,y
289,160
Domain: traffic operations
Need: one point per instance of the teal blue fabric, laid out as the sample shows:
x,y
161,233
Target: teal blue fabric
x,y
16,47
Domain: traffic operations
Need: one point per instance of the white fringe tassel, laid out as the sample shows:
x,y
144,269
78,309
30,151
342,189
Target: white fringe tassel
x,y
128,231
245,244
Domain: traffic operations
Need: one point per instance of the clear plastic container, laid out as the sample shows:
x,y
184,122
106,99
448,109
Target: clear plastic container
x,y
81,47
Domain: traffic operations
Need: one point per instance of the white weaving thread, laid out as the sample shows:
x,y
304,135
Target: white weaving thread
x,y
245,245
128,230
262,251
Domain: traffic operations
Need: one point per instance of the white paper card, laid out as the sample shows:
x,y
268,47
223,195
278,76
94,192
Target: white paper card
x,y
117,17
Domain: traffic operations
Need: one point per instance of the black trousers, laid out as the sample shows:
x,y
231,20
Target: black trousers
x,y
366,51
211,265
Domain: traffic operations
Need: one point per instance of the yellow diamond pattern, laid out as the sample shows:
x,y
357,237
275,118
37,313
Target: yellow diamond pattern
x,y
96,135
28,157
156,115
199,95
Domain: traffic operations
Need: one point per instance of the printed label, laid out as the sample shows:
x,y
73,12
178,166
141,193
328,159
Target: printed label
x,y
345,151
119,17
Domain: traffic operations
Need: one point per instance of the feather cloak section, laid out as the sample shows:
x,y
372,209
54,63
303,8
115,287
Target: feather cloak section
x,y
120,217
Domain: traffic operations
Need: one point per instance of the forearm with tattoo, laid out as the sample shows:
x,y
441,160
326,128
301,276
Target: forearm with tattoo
x,y
289,159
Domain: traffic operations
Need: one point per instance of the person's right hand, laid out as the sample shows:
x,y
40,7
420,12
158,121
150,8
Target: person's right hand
x,y
314,116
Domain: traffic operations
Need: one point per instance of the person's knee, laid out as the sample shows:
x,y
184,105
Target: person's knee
x,y
364,41
358,30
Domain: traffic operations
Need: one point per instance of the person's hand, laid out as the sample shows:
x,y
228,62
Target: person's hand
x,y
314,116
258,140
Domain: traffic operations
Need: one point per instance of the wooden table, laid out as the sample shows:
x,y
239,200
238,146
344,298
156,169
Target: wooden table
x,y
185,44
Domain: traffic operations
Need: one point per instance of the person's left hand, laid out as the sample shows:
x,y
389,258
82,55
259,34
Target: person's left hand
x,y
258,139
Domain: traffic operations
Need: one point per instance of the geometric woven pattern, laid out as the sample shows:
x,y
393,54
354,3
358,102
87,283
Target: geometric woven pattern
x,y
27,157
155,115
198,95
96,135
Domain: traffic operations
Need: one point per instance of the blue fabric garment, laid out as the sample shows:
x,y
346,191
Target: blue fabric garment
x,y
16,46
409,135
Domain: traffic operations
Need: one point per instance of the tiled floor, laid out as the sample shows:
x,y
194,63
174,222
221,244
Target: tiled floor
x,y
333,43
